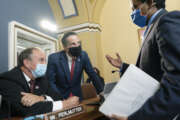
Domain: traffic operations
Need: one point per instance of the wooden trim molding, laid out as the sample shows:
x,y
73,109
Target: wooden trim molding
x,y
85,27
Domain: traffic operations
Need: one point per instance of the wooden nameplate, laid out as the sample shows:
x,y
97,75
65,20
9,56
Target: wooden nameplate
x,y
64,114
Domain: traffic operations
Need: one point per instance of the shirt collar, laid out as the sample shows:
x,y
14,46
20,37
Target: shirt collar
x,y
69,57
154,16
27,78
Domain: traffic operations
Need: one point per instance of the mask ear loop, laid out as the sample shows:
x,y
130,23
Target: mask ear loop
x,y
153,4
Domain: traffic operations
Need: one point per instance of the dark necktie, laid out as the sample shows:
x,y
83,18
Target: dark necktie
x,y
72,73
32,84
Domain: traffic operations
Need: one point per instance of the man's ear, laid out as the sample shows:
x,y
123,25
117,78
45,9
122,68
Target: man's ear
x,y
26,63
149,2
153,4
65,48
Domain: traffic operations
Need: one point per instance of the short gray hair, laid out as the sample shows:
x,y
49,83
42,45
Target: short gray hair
x,y
26,54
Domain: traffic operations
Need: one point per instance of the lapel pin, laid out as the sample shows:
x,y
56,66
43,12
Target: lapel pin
x,y
36,87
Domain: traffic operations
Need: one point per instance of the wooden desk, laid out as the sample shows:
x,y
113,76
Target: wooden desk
x,y
90,112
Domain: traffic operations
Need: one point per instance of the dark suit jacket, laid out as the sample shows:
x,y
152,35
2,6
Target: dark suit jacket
x,y
13,82
160,58
58,74
90,80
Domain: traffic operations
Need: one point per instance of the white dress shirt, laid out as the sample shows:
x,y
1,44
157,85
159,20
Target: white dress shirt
x,y
69,61
57,105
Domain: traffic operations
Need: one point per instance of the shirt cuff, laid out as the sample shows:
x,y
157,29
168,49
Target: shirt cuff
x,y
121,68
57,105
48,98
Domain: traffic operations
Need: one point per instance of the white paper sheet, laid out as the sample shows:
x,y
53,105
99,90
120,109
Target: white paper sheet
x,y
130,93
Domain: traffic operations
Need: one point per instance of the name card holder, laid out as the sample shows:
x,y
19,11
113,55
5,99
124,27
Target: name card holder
x,y
64,114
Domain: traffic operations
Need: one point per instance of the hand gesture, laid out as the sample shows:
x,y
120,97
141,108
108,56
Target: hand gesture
x,y
116,62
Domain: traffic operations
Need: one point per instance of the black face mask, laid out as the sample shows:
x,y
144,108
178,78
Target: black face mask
x,y
75,51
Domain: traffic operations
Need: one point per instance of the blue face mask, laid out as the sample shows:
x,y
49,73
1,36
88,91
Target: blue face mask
x,y
138,19
40,70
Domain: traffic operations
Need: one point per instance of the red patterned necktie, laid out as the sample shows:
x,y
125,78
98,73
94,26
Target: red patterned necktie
x,y
72,73
32,84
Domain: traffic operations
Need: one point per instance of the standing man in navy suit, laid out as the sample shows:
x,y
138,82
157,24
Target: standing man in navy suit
x,y
159,57
65,68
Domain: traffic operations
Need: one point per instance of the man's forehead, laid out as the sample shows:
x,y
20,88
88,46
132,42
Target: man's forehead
x,y
73,38
38,52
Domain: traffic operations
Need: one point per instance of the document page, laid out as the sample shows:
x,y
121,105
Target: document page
x,y
130,93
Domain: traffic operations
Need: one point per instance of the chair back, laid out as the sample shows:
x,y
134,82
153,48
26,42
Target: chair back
x,y
88,91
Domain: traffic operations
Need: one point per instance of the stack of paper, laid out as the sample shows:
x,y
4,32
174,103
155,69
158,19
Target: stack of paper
x,y
130,93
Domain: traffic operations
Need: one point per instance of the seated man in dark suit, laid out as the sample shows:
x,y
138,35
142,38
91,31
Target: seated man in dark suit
x,y
65,68
26,88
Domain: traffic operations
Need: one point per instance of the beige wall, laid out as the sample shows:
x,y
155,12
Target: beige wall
x,y
119,34
173,5
89,44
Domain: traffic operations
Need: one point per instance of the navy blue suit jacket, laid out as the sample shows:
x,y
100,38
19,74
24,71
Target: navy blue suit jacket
x,y
160,58
58,74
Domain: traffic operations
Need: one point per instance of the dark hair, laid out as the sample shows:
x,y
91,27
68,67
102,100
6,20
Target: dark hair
x,y
66,35
159,3
25,54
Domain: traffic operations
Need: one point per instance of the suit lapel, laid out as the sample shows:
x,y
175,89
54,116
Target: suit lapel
x,y
153,22
148,32
22,80
65,66
145,39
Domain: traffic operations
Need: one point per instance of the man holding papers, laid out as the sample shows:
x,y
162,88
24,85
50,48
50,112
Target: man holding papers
x,y
159,57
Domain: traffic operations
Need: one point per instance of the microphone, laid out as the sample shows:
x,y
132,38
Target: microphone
x,y
113,71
